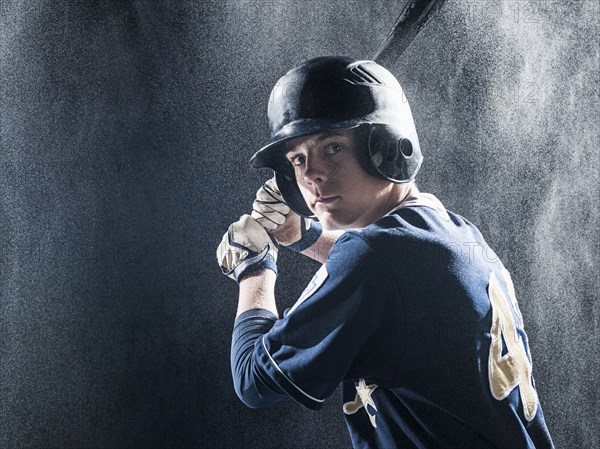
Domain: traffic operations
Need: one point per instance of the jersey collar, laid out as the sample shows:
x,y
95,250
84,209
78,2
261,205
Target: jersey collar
x,y
422,200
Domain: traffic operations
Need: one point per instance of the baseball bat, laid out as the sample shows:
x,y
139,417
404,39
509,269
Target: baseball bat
x,y
412,19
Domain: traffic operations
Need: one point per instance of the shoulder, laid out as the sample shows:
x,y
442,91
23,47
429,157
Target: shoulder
x,y
360,259
416,230
352,249
423,216
352,268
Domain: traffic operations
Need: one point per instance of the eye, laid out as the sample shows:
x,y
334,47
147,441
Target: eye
x,y
297,160
333,148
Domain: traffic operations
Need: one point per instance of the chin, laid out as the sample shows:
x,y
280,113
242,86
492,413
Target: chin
x,y
329,223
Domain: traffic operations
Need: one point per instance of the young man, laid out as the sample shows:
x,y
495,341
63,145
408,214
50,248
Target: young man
x,y
411,311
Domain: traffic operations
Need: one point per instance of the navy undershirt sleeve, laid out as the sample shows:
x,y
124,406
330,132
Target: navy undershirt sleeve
x,y
251,385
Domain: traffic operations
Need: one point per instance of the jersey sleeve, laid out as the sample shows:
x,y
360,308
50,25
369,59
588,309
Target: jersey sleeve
x,y
310,351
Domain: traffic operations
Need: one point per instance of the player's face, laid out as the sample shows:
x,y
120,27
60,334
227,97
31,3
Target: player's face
x,y
333,183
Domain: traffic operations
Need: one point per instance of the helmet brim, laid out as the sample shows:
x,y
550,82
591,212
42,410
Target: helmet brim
x,y
272,155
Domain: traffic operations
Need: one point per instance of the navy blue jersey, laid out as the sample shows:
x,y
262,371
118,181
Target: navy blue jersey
x,y
416,317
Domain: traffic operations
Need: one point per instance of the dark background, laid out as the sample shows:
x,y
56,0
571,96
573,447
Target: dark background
x,y
125,131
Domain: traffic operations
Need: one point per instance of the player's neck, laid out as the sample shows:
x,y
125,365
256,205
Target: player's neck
x,y
391,199
399,194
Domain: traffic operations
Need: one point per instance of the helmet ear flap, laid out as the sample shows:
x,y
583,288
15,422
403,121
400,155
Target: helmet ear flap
x,y
288,186
390,155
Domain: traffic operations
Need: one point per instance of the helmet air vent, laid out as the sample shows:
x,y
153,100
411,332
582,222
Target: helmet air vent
x,y
358,74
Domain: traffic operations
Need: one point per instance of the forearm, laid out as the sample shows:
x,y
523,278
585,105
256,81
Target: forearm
x,y
252,385
257,291
320,249
256,315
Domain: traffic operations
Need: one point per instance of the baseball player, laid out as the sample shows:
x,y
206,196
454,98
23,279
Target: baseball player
x,y
411,311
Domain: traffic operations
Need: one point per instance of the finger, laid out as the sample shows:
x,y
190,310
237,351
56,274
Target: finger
x,y
221,249
229,256
268,219
267,208
268,196
271,184
265,222
254,233
271,207
278,211
269,192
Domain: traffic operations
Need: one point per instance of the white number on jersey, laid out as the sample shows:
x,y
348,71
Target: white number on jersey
x,y
513,368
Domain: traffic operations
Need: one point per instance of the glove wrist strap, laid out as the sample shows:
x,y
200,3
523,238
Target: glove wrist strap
x,y
258,262
309,236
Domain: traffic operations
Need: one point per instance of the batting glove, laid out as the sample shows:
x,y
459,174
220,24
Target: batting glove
x,y
289,229
246,247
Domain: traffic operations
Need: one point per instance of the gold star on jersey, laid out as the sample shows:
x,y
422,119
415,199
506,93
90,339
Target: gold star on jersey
x,y
363,399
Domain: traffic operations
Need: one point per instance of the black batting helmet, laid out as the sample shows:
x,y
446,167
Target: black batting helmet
x,y
337,92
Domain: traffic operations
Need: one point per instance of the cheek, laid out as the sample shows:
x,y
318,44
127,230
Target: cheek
x,y
363,189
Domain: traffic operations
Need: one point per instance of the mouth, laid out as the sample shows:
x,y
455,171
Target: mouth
x,y
325,199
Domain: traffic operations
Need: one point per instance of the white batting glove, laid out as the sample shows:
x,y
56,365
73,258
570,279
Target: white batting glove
x,y
289,229
246,247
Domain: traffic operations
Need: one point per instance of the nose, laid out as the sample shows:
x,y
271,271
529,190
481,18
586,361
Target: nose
x,y
315,171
